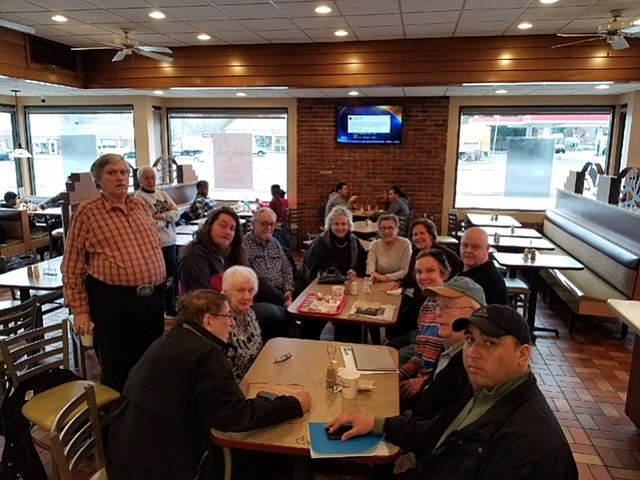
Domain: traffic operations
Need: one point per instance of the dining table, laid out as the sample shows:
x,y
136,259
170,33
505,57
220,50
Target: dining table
x,y
186,229
488,220
519,244
346,315
515,232
365,228
305,367
517,261
629,312
49,278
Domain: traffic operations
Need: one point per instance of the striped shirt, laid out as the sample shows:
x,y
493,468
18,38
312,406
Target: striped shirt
x,y
115,245
428,345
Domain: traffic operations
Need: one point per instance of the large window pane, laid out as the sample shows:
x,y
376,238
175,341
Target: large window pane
x,y
250,144
7,165
68,140
516,158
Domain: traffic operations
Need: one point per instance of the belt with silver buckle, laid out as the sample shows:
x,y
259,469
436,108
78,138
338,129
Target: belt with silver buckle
x,y
145,290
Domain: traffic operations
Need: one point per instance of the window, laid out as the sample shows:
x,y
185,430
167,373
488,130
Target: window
x,y
8,179
240,152
69,139
515,158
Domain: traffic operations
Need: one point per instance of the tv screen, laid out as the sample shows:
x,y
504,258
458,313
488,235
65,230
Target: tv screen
x,y
369,124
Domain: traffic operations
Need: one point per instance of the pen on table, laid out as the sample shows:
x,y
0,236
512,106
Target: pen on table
x,y
283,358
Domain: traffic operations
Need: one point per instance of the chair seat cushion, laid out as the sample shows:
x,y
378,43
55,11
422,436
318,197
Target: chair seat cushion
x,y
43,408
516,286
99,475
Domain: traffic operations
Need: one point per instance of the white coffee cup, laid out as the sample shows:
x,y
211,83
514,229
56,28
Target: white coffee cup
x,y
337,292
349,381
87,340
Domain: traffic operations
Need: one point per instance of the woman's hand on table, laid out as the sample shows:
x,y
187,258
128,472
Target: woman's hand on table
x,y
393,286
362,424
304,397
378,277
411,387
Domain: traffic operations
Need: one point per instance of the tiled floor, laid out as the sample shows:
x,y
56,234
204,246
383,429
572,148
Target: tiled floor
x,y
584,378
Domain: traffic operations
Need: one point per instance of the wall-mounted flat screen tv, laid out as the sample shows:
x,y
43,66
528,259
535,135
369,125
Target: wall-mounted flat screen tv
x,y
381,124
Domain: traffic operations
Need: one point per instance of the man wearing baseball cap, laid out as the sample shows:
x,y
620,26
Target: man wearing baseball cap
x,y
502,428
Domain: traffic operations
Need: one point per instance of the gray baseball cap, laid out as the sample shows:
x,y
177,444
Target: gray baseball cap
x,y
497,321
458,287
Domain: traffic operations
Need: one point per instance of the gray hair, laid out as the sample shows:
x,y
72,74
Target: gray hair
x,y
97,167
336,212
235,275
143,169
389,216
262,210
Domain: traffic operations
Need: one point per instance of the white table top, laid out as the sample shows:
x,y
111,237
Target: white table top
x,y
187,229
521,243
362,227
484,219
628,311
516,260
19,278
517,232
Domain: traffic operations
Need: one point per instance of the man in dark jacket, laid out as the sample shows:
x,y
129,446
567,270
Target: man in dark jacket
x,y
182,387
502,428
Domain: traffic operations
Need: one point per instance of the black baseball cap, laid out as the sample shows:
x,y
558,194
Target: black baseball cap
x,y
497,321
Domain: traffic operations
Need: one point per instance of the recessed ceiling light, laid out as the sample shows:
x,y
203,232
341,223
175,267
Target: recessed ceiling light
x,y
501,91
158,92
204,36
241,94
354,93
548,1
323,9
525,26
157,14
602,87
341,33
59,18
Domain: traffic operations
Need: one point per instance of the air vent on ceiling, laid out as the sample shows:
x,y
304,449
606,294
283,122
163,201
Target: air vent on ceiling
x,y
52,54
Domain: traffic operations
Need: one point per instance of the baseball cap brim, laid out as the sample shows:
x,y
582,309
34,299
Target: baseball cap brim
x,y
485,325
443,292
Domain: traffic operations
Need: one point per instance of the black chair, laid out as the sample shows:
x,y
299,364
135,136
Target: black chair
x,y
455,226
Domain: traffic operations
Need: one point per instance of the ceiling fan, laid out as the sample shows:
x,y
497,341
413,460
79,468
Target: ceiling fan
x,y
613,32
127,45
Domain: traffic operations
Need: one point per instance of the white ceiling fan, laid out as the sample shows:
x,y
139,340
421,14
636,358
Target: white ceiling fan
x,y
613,32
17,26
127,45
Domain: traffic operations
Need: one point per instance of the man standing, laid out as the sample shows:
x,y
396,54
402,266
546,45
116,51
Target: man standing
x,y
340,196
268,260
502,428
202,204
114,274
474,250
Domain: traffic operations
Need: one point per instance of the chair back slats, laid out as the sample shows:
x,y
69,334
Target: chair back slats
x,y
18,318
34,351
75,435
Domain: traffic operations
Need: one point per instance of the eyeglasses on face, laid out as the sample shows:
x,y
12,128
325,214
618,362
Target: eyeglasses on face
x,y
450,308
266,224
227,315
387,229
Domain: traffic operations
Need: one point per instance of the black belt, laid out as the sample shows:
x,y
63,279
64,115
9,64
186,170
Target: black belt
x,y
144,290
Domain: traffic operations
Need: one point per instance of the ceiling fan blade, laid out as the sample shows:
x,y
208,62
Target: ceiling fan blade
x,y
634,30
92,48
576,34
576,42
147,48
119,56
617,42
155,56
17,26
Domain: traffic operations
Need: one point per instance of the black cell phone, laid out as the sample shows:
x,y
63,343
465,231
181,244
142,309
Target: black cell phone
x,y
338,432
265,394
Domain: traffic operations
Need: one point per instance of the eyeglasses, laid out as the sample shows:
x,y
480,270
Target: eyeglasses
x,y
227,315
450,308
267,224
386,229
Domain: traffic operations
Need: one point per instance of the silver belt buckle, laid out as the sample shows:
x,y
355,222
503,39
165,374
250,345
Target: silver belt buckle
x,y
145,290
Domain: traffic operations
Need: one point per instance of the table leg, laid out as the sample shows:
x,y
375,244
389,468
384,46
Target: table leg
x,y
533,301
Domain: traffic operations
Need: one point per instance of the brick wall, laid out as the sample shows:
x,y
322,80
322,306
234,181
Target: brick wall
x,y
417,166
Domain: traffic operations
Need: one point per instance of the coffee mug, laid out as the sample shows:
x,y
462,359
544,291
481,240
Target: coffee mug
x,y
337,292
349,381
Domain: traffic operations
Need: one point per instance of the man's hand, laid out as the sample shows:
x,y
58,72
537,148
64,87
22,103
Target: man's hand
x,y
361,424
304,397
393,286
82,323
411,387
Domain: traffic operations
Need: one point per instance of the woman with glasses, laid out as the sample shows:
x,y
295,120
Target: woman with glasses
x,y
424,235
388,258
216,246
336,248
240,284
432,270
180,389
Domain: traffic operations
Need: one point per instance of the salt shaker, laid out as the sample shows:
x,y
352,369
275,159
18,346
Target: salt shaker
x,y
533,254
525,254
513,229
332,372
368,283
496,238
354,288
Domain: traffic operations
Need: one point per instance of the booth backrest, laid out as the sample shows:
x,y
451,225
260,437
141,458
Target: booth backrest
x,y
15,226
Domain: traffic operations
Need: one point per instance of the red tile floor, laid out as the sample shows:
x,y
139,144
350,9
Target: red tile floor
x,y
584,378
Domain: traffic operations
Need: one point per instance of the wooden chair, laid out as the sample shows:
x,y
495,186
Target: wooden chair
x,y
18,318
295,216
76,438
35,352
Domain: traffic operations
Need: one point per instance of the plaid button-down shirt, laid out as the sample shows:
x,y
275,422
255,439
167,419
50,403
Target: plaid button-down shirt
x,y
269,262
